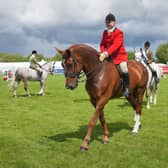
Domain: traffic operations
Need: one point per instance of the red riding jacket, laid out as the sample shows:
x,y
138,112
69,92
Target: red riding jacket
x,y
114,45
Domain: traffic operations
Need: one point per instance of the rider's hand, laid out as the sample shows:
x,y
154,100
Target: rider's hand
x,y
102,56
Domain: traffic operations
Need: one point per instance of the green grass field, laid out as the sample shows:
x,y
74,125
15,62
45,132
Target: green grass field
x,y
46,132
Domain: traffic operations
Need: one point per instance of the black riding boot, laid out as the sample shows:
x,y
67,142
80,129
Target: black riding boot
x,y
126,84
40,73
154,73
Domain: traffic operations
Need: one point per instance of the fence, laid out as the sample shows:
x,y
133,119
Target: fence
x,y
12,66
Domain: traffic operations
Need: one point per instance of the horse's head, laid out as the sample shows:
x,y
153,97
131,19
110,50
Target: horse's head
x,y
72,68
138,55
52,67
49,67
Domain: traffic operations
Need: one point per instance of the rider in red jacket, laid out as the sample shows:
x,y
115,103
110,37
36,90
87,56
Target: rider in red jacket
x,y
112,46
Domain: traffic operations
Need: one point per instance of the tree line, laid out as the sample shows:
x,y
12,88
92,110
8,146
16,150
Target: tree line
x,y
6,57
161,55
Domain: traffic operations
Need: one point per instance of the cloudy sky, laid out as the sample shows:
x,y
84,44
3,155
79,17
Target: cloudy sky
x,y
26,25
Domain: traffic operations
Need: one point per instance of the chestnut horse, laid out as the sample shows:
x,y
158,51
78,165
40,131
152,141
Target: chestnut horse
x,y
102,84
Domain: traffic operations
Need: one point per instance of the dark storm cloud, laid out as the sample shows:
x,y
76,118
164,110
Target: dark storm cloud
x,y
43,25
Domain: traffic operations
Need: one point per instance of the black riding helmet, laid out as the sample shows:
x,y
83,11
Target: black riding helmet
x,y
34,52
147,44
109,18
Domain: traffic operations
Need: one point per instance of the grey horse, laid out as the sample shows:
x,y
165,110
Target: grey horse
x,y
26,74
152,85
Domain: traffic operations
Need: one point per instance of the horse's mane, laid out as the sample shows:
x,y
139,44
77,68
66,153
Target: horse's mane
x,y
85,51
45,64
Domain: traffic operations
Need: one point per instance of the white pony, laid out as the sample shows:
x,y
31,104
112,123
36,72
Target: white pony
x,y
152,85
26,74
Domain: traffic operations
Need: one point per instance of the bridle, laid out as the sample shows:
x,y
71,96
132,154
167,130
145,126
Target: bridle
x,y
79,75
73,74
50,70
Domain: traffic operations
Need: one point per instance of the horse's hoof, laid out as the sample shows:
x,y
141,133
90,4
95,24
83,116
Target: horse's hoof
x,y
82,149
148,106
134,133
105,142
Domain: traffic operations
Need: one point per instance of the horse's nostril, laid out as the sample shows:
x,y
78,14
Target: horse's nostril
x,y
70,87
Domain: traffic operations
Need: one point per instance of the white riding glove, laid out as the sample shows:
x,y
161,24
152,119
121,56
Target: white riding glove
x,y
102,56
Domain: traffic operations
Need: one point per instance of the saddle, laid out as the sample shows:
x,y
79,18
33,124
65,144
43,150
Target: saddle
x,y
121,84
39,73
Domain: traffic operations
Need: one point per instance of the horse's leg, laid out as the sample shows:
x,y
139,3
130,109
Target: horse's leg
x,y
16,83
105,129
151,98
138,109
148,98
155,97
152,92
155,94
149,88
26,87
41,92
92,123
133,102
136,101
103,123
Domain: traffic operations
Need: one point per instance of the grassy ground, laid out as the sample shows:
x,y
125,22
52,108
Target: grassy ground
x,y
46,132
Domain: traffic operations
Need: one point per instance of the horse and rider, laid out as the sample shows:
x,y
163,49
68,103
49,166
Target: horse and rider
x,y
35,72
103,78
148,58
154,73
34,63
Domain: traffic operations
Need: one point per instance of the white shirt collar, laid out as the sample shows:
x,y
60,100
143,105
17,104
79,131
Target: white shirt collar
x,y
111,30
33,55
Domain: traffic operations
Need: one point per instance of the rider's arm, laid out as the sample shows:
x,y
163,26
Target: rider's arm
x,y
103,43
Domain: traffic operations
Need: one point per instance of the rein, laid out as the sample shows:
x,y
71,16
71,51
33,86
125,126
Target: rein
x,y
86,74
48,71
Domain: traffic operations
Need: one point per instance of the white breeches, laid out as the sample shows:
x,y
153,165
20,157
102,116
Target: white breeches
x,y
123,66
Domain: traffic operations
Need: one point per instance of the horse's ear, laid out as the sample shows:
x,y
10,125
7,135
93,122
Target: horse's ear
x,y
68,53
59,51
